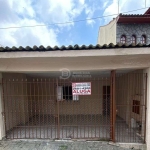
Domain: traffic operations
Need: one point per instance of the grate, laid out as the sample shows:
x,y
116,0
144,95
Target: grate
x,y
46,108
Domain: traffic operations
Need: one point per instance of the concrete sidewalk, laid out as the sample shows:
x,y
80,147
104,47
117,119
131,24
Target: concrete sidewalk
x,y
60,145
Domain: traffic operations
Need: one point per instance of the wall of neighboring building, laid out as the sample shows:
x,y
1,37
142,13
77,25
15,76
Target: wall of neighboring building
x,y
133,29
107,33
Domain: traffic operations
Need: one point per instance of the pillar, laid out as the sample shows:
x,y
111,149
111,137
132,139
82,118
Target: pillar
x,y
2,126
148,109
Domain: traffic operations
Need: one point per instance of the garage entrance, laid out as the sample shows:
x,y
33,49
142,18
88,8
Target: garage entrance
x,y
45,108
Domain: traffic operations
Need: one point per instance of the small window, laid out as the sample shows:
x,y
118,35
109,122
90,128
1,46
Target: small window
x,y
136,106
65,93
133,39
123,39
143,39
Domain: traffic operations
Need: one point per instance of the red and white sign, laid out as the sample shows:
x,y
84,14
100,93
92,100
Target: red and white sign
x,y
81,88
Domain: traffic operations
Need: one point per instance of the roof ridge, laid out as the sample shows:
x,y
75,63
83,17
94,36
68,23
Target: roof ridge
x,y
134,14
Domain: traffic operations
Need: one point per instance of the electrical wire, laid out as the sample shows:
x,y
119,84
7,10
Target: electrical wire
x,y
69,22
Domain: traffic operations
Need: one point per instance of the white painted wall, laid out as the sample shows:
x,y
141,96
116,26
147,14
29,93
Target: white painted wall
x,y
2,125
148,109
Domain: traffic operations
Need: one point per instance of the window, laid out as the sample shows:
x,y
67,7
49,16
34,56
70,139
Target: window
x,y
123,39
143,39
136,106
133,39
65,93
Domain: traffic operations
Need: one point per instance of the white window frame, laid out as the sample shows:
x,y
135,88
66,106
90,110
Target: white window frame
x,y
60,94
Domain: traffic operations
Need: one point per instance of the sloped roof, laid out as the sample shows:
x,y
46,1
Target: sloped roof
x,y
134,18
70,47
147,12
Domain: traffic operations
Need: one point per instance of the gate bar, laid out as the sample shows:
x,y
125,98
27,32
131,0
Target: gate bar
x,y
3,104
113,108
145,107
58,119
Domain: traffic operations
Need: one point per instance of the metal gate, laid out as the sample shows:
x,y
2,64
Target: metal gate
x,y
32,109
29,106
83,116
46,109
131,104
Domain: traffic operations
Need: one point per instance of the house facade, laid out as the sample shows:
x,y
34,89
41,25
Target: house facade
x,y
99,92
130,29
39,99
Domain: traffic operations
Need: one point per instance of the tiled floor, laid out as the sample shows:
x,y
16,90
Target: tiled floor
x,y
74,127
126,134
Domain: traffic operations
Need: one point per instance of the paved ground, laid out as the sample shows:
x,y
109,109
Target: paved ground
x,y
58,145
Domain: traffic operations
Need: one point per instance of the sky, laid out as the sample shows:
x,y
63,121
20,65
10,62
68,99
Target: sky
x,y
17,13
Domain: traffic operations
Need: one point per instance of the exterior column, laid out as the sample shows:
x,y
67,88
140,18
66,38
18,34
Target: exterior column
x,y
2,124
148,109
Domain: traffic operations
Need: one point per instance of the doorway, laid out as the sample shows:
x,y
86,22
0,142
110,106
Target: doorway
x,y
106,100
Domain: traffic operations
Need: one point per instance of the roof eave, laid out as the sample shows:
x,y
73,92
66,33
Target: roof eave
x,y
131,19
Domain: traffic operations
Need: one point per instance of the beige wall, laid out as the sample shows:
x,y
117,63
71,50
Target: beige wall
x,y
92,104
107,33
47,104
96,59
32,97
42,99
15,99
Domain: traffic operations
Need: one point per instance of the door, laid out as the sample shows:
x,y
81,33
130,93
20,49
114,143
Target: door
x,y
106,100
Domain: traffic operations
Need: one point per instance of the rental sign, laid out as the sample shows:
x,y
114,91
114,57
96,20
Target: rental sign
x,y
81,88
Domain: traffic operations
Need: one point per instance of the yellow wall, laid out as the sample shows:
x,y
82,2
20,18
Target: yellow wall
x,y
107,33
